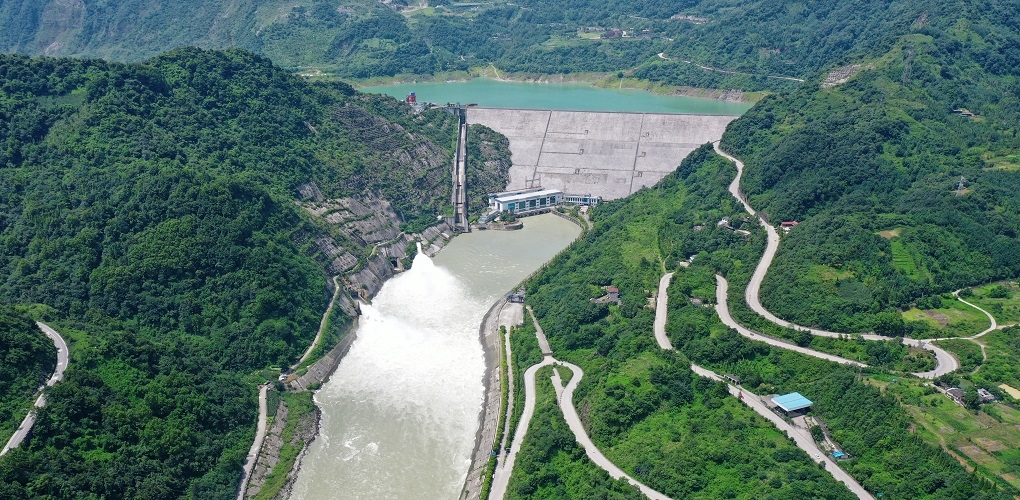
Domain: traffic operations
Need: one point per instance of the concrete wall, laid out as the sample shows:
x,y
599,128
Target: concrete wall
x,y
603,153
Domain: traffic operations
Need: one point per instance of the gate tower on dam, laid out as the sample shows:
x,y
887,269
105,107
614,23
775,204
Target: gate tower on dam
x,y
607,154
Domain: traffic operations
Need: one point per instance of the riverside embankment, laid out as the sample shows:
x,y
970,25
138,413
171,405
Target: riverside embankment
x,y
400,414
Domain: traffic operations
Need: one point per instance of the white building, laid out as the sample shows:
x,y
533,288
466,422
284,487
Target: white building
x,y
525,202
581,199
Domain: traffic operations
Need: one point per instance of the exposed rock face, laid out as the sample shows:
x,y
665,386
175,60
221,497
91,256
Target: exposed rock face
x,y
841,75
324,367
366,249
364,245
366,220
370,244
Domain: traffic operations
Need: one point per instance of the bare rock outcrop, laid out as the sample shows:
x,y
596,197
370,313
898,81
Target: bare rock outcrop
x,y
841,75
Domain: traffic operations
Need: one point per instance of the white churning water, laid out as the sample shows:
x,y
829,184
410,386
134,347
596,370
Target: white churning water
x,y
400,414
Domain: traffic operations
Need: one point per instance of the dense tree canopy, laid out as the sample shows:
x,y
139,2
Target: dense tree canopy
x,y
152,208
755,38
639,398
27,357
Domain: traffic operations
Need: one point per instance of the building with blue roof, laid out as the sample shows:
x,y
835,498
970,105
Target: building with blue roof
x,y
792,403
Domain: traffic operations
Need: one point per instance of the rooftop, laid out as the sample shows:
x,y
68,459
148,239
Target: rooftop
x,y
511,197
792,401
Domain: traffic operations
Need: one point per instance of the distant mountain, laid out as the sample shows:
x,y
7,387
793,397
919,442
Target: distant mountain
x,y
751,39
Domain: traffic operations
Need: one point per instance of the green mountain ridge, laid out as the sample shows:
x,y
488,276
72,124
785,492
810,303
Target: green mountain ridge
x,y
359,38
160,210
868,158
886,150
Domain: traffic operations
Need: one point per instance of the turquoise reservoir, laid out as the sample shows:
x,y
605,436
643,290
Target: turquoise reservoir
x,y
566,96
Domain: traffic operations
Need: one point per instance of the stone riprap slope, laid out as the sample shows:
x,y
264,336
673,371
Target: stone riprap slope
x,y
605,154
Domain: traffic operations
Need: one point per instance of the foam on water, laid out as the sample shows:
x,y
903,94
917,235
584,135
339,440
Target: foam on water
x,y
404,403
400,413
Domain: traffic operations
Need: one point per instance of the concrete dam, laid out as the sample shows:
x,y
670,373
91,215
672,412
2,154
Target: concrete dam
x,y
605,154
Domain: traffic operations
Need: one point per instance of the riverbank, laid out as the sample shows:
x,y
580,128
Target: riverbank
x,y
502,313
482,266
488,418
365,284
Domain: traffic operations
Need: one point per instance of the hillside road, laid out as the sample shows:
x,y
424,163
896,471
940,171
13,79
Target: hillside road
x,y
58,374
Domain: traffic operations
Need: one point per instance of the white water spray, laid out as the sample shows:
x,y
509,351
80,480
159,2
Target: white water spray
x,y
403,405
400,413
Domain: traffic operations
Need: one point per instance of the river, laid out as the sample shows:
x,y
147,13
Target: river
x,y
566,96
399,416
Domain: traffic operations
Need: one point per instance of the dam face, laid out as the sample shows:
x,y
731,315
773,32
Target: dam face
x,y
604,154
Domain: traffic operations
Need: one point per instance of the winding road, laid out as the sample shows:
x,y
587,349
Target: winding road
x,y
722,308
564,395
944,361
58,375
256,447
322,325
994,326
800,436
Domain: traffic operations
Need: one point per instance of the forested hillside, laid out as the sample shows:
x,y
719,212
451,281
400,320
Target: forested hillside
x,y
362,38
152,208
874,167
682,434
27,358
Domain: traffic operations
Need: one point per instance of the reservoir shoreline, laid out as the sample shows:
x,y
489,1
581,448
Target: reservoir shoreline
x,y
595,80
491,93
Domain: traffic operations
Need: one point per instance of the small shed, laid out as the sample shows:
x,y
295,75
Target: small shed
x,y
956,394
614,293
838,455
792,404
